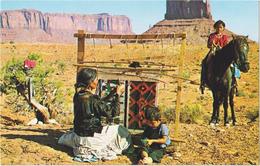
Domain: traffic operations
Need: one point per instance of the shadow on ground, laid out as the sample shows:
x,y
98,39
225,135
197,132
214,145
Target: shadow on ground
x,y
49,138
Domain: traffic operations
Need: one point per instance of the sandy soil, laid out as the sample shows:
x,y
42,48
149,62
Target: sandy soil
x,y
22,144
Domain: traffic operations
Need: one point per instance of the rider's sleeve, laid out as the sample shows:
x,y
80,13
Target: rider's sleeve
x,y
225,38
210,40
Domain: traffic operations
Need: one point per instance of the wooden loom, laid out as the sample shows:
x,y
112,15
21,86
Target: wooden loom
x,y
129,74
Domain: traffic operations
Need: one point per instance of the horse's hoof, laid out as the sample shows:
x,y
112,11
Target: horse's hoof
x,y
227,124
213,121
234,123
212,125
217,124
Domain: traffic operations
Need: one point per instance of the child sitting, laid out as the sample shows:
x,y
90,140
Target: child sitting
x,y
155,138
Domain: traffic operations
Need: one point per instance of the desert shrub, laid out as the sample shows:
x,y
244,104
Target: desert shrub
x,y
47,91
253,95
167,113
253,114
206,118
186,74
241,93
61,67
65,118
34,56
191,114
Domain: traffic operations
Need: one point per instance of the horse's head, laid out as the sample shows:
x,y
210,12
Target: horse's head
x,y
241,50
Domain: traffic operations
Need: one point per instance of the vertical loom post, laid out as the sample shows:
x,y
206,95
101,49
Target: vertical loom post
x,y
81,48
178,98
126,102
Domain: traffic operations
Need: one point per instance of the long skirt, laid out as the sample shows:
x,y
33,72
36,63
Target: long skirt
x,y
106,145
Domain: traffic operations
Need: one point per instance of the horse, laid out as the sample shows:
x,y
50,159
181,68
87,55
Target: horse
x,y
219,76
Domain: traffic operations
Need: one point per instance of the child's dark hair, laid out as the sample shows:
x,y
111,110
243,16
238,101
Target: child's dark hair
x,y
85,76
219,22
152,113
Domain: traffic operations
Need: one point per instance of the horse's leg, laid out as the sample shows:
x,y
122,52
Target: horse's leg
x,y
231,103
215,109
225,106
220,101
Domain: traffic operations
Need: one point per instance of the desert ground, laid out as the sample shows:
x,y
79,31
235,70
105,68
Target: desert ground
x,y
23,144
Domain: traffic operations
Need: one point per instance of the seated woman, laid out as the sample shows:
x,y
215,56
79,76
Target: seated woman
x,y
89,139
155,138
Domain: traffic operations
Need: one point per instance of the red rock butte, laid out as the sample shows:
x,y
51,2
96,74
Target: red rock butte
x,y
28,25
187,16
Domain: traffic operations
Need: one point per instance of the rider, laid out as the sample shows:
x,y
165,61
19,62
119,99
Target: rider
x,y
216,41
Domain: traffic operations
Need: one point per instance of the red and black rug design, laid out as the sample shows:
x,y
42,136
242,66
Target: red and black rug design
x,y
142,94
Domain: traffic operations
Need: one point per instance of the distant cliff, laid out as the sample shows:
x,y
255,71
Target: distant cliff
x,y
187,9
192,17
35,26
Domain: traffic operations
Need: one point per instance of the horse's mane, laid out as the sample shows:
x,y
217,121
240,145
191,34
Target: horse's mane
x,y
224,57
231,46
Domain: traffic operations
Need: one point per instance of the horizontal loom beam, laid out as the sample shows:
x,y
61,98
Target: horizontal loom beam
x,y
127,37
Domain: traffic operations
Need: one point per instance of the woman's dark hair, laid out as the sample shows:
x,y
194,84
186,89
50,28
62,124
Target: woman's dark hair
x,y
219,22
152,113
85,76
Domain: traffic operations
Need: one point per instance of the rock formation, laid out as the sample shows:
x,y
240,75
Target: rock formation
x,y
187,9
187,16
35,26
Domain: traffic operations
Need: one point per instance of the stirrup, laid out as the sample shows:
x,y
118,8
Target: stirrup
x,y
237,94
202,88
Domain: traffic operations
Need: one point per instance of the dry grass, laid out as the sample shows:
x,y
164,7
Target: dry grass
x,y
226,147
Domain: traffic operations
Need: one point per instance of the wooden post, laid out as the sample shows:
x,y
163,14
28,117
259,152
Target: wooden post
x,y
94,43
126,102
81,48
178,98
162,43
110,44
30,89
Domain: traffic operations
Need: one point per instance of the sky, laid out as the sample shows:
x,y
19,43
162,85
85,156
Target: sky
x,y
240,16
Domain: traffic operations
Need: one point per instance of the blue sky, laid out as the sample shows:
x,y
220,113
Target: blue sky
x,y
241,16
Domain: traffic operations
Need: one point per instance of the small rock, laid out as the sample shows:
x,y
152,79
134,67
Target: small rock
x,y
52,121
205,143
219,130
176,155
252,162
169,157
40,122
236,154
32,122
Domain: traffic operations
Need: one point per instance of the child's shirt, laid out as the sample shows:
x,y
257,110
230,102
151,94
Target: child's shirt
x,y
156,133
218,40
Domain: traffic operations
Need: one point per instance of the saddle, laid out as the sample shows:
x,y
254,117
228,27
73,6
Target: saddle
x,y
207,67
